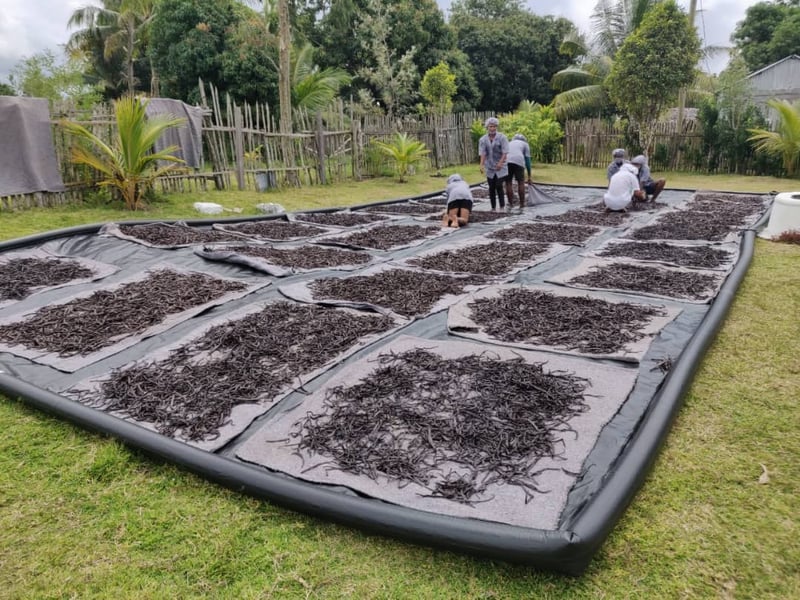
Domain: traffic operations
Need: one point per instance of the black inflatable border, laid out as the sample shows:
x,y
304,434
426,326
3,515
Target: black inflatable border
x,y
568,550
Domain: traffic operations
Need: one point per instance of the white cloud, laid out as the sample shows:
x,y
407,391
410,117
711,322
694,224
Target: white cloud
x,y
28,27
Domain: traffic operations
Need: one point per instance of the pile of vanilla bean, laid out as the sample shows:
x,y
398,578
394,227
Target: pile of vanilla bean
x,y
546,233
406,292
275,229
252,359
385,237
20,276
302,257
167,235
687,285
85,325
585,324
454,426
495,258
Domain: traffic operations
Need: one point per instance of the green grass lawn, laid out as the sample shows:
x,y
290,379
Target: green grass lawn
x,y
82,516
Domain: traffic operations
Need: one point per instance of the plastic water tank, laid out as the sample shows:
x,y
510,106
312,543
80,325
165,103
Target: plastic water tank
x,y
785,215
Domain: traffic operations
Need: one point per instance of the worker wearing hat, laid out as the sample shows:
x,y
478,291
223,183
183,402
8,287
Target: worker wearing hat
x,y
647,186
493,150
459,202
617,160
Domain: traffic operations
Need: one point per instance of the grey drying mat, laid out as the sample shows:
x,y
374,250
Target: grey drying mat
x,y
460,322
610,386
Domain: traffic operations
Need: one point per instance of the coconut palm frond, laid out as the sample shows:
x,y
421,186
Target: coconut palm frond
x,y
580,101
785,140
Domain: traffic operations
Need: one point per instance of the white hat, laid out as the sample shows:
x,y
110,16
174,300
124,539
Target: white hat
x,y
519,136
639,160
618,153
454,177
492,121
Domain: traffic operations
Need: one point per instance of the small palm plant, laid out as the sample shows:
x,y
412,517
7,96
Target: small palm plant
x,y
785,142
404,151
127,164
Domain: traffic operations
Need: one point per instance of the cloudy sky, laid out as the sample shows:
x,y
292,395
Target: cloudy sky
x,y
28,27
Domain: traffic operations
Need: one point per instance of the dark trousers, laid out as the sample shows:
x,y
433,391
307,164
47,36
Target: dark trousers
x,y
496,191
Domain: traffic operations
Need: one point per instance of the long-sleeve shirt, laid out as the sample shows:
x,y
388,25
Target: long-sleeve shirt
x,y
620,189
519,153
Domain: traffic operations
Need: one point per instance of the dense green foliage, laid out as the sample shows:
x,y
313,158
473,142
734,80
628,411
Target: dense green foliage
x,y
769,32
653,64
581,86
438,87
539,126
726,117
189,39
43,75
514,53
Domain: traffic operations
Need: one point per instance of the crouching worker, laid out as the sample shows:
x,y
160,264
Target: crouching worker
x,y
459,202
621,188
647,185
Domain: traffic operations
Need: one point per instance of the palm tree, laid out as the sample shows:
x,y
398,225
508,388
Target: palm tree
x,y
404,151
120,26
581,85
127,164
785,141
314,88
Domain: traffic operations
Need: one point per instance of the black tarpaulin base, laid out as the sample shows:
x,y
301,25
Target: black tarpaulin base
x,y
612,469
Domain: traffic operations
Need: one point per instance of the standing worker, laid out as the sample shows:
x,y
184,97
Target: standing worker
x,y
493,150
459,202
519,161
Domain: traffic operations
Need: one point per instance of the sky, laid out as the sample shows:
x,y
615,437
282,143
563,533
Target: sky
x,y
28,27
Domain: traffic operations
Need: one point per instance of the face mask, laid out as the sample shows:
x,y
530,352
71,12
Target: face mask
x,y
619,161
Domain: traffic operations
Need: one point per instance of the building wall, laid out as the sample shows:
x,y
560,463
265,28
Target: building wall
x,y
779,80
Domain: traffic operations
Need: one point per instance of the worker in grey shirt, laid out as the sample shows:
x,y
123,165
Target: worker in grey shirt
x,y
493,150
648,187
618,159
519,161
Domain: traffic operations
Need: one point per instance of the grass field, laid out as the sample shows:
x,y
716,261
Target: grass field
x,y
82,516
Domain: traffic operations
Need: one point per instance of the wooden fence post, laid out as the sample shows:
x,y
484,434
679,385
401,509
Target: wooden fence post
x,y
238,142
320,149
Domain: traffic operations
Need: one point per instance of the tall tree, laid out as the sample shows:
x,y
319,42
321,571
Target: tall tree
x,y
654,62
121,26
394,76
417,24
188,41
768,33
438,88
581,85
514,53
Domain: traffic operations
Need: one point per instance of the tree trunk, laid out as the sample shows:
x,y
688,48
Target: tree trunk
x,y
284,88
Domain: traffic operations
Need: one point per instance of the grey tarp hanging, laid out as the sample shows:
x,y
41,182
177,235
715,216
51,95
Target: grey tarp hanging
x,y
188,137
28,160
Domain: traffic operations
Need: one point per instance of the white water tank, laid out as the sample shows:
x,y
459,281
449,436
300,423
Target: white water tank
x,y
785,215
